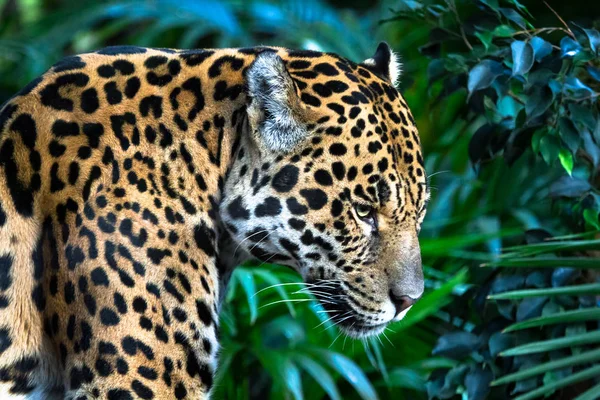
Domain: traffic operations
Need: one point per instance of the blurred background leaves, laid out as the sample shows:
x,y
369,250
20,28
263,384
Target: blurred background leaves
x,y
505,95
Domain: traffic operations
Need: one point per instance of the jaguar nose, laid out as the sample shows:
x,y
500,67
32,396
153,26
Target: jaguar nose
x,y
402,302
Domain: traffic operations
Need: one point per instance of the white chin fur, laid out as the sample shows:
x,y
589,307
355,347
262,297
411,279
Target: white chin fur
x,y
401,315
360,334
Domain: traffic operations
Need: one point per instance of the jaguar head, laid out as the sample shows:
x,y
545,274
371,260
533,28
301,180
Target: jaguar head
x,y
329,180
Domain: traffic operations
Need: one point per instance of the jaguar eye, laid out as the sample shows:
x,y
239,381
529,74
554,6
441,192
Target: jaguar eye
x,y
363,211
366,213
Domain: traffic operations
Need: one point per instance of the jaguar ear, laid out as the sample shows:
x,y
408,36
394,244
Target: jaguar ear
x,y
275,111
386,63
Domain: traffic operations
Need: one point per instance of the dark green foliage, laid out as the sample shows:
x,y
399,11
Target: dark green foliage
x,y
46,31
507,109
531,99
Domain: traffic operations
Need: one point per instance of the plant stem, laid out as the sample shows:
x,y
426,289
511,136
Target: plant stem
x,y
452,7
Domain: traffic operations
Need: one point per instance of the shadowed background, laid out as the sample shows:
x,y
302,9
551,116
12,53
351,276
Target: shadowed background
x,y
505,98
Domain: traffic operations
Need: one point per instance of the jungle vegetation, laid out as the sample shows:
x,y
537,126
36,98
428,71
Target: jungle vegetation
x,y
505,94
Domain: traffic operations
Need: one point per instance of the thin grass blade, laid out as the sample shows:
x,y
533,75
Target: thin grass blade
x,y
546,262
575,290
553,344
565,362
586,374
586,314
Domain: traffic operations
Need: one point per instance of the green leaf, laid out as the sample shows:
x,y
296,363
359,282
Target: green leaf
x,y
565,362
292,379
541,77
509,108
455,63
377,357
593,71
563,317
541,48
503,31
500,341
537,138
483,75
435,70
319,374
540,98
577,87
456,344
226,356
569,134
246,279
406,378
569,47
514,16
553,344
492,4
549,147
486,38
591,217
584,375
522,56
566,160
569,186
433,363
453,378
546,262
521,7
596,133
477,382
442,246
590,147
412,5
283,371
583,115
281,331
349,370
231,288
580,235
552,246
594,39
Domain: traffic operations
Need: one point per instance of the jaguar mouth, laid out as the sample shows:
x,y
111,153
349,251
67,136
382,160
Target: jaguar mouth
x,y
360,330
339,312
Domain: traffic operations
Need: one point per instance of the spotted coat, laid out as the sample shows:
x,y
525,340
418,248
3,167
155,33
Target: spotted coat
x,y
132,180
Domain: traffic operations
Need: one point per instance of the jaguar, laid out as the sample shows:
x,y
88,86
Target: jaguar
x,y
133,180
